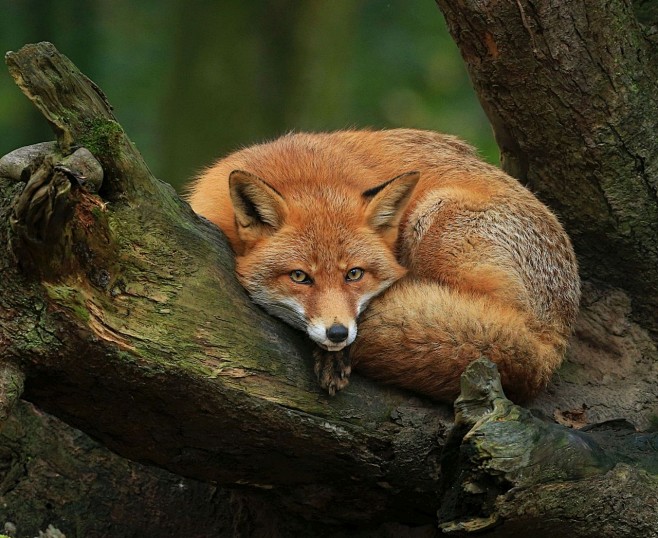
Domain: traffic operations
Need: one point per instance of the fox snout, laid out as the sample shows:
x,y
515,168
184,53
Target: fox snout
x,y
337,333
334,337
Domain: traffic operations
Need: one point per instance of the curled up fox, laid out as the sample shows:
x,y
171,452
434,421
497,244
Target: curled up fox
x,y
400,253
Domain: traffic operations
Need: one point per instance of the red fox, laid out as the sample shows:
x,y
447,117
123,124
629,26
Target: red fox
x,y
400,253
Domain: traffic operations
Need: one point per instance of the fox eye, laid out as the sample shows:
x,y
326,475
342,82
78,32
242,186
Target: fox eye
x,y
300,277
354,274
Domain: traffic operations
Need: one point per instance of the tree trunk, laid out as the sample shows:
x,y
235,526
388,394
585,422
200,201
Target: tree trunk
x,y
120,313
571,89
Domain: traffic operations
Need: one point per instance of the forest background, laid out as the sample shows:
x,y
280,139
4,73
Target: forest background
x,y
192,81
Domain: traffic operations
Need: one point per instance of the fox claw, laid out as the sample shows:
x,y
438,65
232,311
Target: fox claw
x,y
332,369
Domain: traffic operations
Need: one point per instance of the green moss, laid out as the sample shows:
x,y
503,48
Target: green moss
x,y
97,212
69,298
101,136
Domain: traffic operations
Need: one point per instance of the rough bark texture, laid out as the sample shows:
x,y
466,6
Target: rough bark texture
x,y
512,473
120,312
571,89
54,475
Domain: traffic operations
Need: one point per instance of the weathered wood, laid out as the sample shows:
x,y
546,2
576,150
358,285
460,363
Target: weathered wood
x,y
51,474
128,322
499,455
79,116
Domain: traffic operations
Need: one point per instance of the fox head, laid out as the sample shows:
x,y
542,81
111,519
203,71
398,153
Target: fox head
x,y
317,256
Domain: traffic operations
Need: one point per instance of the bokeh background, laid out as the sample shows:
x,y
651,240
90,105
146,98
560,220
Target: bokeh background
x,y
193,80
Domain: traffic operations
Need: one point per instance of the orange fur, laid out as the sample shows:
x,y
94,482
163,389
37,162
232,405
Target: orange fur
x,y
489,270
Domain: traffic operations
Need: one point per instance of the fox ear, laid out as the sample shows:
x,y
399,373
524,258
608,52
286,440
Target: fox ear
x,y
387,202
259,208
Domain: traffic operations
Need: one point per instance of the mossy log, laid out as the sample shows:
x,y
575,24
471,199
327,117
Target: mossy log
x,y
122,311
121,314
513,473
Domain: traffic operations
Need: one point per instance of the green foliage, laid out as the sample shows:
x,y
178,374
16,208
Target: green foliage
x,y
191,82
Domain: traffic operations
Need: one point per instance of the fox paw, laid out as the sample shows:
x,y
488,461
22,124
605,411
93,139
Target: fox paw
x,y
332,369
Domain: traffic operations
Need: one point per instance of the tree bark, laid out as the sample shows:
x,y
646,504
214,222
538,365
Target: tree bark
x,y
571,89
121,313
54,475
515,474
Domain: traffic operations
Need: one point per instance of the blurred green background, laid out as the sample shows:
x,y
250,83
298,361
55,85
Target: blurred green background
x,y
192,80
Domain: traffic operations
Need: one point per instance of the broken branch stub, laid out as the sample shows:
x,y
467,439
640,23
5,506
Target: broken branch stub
x,y
497,448
47,240
80,117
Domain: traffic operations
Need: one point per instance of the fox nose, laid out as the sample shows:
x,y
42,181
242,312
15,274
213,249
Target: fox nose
x,y
337,333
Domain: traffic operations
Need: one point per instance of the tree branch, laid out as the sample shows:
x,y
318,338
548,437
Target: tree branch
x,y
141,336
499,455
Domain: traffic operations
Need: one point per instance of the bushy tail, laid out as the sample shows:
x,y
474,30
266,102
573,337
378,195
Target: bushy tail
x,y
422,335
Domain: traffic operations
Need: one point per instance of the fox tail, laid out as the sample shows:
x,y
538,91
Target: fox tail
x,y
422,335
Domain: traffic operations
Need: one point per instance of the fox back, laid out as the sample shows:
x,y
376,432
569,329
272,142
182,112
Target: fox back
x,y
324,224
